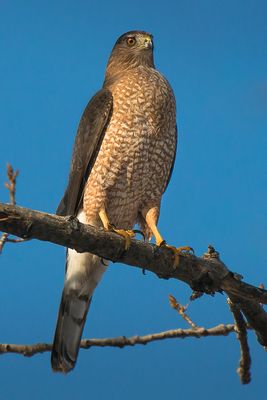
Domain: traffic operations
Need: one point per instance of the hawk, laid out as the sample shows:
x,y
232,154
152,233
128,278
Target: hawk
x,y
122,162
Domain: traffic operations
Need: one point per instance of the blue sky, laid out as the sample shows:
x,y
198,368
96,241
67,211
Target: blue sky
x,y
53,58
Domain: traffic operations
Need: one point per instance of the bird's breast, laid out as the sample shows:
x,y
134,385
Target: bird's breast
x,y
135,158
143,98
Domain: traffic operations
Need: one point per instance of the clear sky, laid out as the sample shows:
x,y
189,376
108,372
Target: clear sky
x,y
52,60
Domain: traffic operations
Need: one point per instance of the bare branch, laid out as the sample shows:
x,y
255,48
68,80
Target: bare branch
x,y
256,317
241,331
201,274
122,341
11,186
251,308
181,310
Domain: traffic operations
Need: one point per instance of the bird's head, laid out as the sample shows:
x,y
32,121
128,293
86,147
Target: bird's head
x,y
132,49
135,42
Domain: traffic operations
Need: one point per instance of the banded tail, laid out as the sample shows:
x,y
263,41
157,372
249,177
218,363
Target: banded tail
x,y
83,272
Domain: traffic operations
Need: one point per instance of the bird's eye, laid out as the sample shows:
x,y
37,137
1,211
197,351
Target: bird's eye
x,y
131,41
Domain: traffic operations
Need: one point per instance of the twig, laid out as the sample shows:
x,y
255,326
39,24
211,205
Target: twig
x,y
11,186
241,332
181,310
122,341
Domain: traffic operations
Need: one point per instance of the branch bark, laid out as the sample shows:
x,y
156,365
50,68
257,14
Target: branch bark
x,y
11,187
241,332
207,275
122,341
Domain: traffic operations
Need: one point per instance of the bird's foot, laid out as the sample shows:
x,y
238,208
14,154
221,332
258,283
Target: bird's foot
x,y
126,234
177,251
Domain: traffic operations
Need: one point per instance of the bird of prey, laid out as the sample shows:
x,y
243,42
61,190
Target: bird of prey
x,y
122,161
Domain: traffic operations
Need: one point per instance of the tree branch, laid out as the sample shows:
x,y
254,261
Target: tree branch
x,y
241,332
122,341
11,187
207,275
181,311
203,274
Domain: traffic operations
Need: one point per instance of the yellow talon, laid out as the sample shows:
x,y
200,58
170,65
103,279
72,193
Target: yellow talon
x,y
151,218
185,249
176,252
126,234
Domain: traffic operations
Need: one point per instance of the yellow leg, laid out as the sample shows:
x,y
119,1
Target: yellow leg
x,y
126,234
159,240
104,219
151,220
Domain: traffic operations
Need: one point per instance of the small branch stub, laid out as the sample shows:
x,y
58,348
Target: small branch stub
x,y
11,187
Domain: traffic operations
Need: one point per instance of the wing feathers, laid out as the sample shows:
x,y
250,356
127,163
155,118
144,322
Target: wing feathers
x,y
88,140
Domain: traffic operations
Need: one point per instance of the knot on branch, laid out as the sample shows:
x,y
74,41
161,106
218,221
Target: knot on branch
x,y
205,283
74,222
209,278
211,253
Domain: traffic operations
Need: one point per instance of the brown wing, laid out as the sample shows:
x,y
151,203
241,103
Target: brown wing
x,y
173,160
88,140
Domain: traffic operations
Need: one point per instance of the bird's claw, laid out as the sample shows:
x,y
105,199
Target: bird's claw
x,y
186,250
177,251
126,234
140,233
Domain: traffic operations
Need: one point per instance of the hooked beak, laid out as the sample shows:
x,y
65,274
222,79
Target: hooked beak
x,y
147,42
